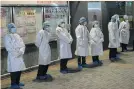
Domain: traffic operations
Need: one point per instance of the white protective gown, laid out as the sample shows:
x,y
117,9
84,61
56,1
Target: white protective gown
x,y
96,42
42,42
65,40
113,38
118,35
124,33
16,48
82,35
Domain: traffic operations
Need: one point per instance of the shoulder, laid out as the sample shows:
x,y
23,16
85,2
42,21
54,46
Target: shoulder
x,y
93,30
7,36
41,31
16,35
79,27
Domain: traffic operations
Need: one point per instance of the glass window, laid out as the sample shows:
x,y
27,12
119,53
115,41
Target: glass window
x,y
5,15
94,12
54,15
28,21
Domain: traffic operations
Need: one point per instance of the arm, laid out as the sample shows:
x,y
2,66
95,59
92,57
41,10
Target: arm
x,y
93,36
79,35
111,29
38,39
22,49
62,36
8,44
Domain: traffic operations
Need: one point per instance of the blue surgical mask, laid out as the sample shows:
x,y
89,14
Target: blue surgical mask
x,y
13,30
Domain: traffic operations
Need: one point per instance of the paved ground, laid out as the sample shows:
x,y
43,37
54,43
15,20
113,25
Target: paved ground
x,y
119,75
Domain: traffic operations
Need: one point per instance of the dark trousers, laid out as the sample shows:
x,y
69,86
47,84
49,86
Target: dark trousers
x,y
112,52
83,61
42,70
95,58
124,46
63,64
15,77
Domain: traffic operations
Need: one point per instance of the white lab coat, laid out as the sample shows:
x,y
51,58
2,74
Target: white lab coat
x,y
42,42
118,34
16,48
113,38
65,40
96,39
124,33
82,35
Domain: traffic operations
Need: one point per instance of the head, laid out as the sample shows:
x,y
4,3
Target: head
x,y
61,24
125,17
117,17
95,24
46,26
12,28
113,19
83,21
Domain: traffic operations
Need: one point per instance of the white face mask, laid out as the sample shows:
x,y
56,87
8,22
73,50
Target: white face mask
x,y
85,23
47,29
62,25
96,26
13,30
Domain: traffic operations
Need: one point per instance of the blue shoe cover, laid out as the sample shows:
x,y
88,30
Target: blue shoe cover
x,y
80,67
15,86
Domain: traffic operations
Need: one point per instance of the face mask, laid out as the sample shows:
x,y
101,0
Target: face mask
x,y
13,30
62,25
85,23
47,29
96,26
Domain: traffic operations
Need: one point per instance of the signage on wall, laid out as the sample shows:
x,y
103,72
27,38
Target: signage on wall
x,y
37,2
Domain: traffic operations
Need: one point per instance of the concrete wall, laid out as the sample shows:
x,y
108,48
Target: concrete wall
x,y
79,9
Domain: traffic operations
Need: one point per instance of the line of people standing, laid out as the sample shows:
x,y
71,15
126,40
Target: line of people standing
x,y
118,34
88,43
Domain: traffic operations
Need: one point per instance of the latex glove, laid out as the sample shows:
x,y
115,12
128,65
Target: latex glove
x,y
21,51
92,42
101,40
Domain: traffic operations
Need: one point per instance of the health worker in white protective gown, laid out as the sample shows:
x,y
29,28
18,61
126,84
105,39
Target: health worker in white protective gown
x,y
82,42
124,33
15,62
64,47
96,44
117,34
42,42
113,39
